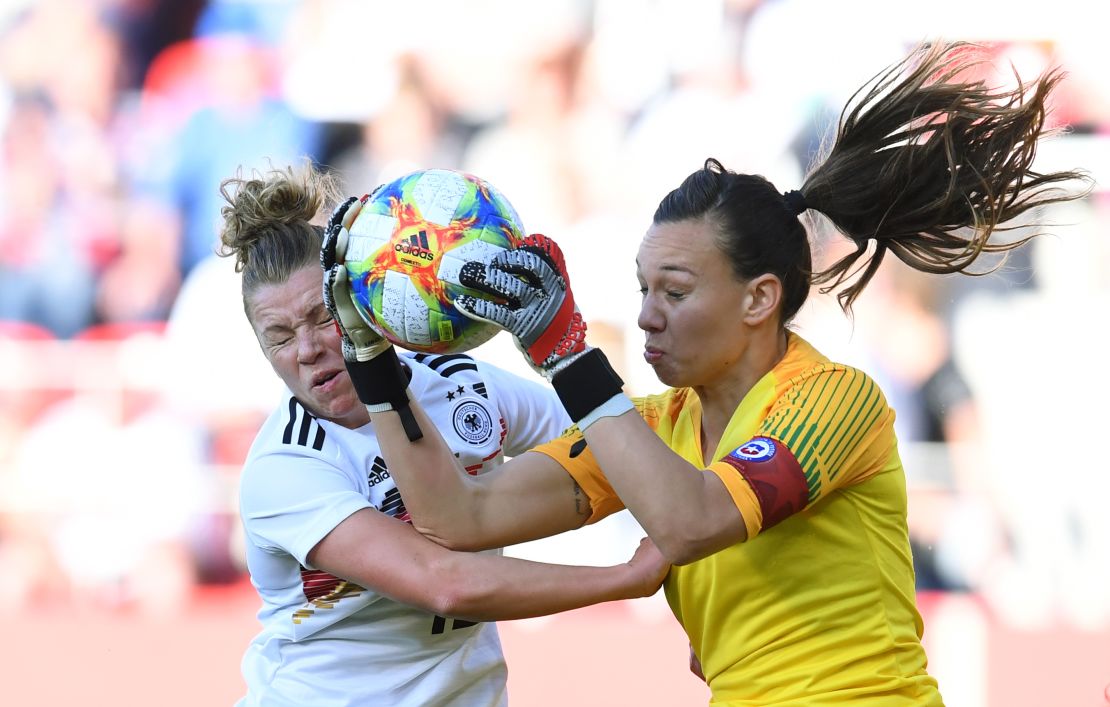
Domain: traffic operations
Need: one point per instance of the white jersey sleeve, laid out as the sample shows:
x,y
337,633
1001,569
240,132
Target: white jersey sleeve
x,y
532,409
280,516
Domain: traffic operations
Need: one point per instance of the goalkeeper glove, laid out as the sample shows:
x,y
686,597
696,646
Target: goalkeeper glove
x,y
379,377
536,305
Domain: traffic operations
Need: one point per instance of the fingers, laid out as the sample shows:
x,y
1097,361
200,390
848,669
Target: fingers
x,y
478,276
335,279
547,249
534,268
352,211
334,247
337,214
484,310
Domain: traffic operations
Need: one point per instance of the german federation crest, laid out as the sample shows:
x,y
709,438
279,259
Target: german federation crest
x,y
472,422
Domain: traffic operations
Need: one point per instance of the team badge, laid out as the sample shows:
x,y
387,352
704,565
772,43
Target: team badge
x,y
757,449
472,422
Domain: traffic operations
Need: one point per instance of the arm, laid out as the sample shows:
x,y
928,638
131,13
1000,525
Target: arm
x,y
528,497
390,557
532,499
688,512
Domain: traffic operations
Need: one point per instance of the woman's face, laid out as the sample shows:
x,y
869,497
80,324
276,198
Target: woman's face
x,y
690,304
300,340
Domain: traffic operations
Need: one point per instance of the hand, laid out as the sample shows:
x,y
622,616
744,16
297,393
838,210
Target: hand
x,y
379,381
360,341
538,308
651,565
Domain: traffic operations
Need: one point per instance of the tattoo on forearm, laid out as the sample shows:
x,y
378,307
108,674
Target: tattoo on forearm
x,y
581,503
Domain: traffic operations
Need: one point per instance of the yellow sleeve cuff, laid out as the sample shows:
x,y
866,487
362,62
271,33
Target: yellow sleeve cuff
x,y
742,495
585,471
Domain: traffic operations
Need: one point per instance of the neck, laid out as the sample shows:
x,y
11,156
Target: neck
x,y
720,399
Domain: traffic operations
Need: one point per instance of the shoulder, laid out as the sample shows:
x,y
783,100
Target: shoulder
x,y
830,381
292,430
444,365
832,402
486,379
668,404
445,370
292,447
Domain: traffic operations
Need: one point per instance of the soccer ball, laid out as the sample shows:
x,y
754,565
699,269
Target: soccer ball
x,y
406,248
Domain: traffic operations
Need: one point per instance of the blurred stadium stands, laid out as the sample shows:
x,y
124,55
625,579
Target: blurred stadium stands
x,y
130,384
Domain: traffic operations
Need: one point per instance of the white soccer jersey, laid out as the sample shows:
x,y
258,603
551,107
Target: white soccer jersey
x,y
326,641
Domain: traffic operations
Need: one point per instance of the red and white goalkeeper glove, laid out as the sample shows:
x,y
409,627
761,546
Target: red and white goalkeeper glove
x,y
537,305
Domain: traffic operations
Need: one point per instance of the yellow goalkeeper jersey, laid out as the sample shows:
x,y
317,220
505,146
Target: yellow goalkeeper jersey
x,y
817,607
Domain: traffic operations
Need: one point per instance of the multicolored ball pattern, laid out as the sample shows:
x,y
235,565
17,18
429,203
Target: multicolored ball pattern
x,y
406,248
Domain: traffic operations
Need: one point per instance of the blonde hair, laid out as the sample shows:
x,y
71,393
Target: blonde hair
x,y
272,222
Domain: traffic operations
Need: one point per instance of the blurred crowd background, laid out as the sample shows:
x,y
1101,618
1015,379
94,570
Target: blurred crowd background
x,y
130,382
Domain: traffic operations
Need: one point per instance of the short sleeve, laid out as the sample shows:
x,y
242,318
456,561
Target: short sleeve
x,y
830,428
574,455
289,503
531,410
837,424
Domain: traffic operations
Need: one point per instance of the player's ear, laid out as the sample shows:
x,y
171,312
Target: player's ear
x,y
761,299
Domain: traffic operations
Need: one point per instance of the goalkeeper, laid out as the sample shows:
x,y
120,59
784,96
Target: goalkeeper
x,y
769,474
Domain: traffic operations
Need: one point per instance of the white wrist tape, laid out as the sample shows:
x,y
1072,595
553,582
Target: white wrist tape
x,y
387,405
613,407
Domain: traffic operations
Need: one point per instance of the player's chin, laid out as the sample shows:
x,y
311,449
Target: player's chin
x,y
343,409
334,398
669,374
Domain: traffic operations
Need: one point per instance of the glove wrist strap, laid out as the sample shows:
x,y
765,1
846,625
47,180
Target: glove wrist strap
x,y
586,383
613,407
380,384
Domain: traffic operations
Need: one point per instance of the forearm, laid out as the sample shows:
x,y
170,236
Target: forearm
x,y
443,501
388,556
491,588
529,497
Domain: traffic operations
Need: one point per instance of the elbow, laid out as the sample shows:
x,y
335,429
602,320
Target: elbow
x,y
444,602
457,593
677,545
685,545
453,540
678,551
686,539
461,602
450,541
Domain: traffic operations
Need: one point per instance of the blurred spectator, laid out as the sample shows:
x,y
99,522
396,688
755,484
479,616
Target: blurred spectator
x,y
223,390
538,122
1033,356
48,252
407,132
956,531
241,121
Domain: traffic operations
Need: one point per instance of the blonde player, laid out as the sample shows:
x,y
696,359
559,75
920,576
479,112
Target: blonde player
x,y
357,607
